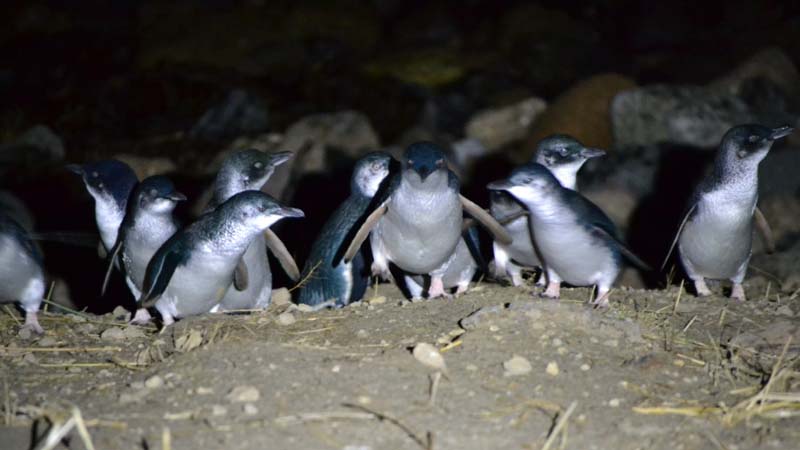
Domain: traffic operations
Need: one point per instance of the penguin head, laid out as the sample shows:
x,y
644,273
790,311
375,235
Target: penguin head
x,y
249,169
256,210
369,172
423,159
561,151
157,195
530,183
750,143
108,179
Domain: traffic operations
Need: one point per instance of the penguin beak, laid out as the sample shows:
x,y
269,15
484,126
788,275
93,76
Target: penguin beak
x,y
290,212
589,153
279,158
780,132
75,168
501,185
175,197
423,172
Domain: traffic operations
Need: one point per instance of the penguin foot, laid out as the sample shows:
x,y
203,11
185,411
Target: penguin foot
x,y
140,317
32,323
601,302
738,292
701,288
540,281
379,270
437,288
461,288
553,290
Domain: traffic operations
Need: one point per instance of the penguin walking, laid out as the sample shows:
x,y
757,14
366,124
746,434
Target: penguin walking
x,y
716,236
417,224
343,282
578,243
191,273
241,171
563,156
21,272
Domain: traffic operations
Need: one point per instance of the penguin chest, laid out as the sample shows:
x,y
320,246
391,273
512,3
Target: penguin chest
x,y
198,285
138,249
717,239
21,277
575,254
521,248
420,233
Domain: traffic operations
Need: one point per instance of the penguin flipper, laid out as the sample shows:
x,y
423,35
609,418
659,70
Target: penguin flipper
x,y
241,277
765,230
486,220
363,232
623,249
159,272
278,248
678,235
112,259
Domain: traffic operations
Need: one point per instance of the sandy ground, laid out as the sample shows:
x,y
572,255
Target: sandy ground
x,y
655,371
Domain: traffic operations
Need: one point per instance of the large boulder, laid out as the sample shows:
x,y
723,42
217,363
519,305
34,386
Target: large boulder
x,y
498,127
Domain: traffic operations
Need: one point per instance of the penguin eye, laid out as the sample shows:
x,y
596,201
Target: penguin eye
x,y
439,163
753,138
153,193
258,165
95,174
562,151
410,162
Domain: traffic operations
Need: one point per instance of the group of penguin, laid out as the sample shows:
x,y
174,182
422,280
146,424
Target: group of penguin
x,y
413,213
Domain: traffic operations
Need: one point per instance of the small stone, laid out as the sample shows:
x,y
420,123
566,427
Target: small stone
x,y
336,369
24,333
46,341
243,394
218,410
611,343
552,369
30,358
364,400
286,318
121,314
428,355
379,300
585,367
133,332
785,310
557,342
303,308
614,402
678,363
189,341
562,350
250,409
471,367
154,382
201,390
362,333
281,297
494,328
517,365
456,332
112,334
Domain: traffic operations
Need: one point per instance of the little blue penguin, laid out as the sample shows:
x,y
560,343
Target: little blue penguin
x,y
345,282
716,236
577,242
21,273
193,270
563,156
148,223
418,223
243,171
110,183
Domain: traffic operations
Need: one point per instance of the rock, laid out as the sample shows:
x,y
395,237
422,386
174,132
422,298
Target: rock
x,y
759,348
770,63
495,128
281,297
38,146
154,382
112,334
189,341
429,356
582,111
685,115
552,369
243,394
516,366
47,341
250,409
24,333
617,202
133,332
239,113
478,317
146,166
286,319
121,314
430,68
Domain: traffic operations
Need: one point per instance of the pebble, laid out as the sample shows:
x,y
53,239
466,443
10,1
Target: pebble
x,y
379,300
429,356
24,333
154,382
30,358
281,297
46,341
286,318
218,410
362,333
122,314
112,334
517,365
614,402
611,343
243,394
201,390
494,328
585,367
552,369
250,409
132,332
